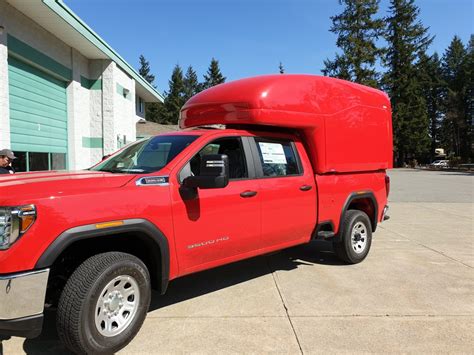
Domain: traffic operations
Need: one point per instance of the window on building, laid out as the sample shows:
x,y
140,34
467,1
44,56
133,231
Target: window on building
x,y
58,161
140,104
36,161
20,163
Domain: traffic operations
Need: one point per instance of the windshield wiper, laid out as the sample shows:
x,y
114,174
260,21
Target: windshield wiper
x,y
135,170
113,171
124,171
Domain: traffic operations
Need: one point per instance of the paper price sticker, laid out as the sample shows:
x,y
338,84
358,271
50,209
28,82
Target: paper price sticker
x,y
272,153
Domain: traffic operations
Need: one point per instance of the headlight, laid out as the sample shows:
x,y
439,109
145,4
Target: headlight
x,y
14,222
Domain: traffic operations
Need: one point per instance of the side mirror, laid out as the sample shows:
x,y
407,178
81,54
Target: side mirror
x,y
214,173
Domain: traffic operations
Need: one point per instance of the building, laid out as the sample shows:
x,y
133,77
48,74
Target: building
x,y
147,129
66,97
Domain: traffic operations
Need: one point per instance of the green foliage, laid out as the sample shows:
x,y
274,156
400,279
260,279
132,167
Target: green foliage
x,y
432,84
457,123
175,98
469,68
181,89
407,41
153,110
357,31
281,69
191,84
454,161
213,76
144,70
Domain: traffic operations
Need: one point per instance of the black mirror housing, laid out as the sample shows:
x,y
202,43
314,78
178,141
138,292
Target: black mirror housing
x,y
214,173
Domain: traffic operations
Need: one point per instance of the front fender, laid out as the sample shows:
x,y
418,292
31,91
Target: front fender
x,y
154,238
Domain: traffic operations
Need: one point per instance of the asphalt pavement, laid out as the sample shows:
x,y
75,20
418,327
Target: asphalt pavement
x,y
413,294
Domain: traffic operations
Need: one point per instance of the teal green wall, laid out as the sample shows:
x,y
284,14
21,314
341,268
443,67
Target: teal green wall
x,y
38,109
19,48
91,84
121,92
92,142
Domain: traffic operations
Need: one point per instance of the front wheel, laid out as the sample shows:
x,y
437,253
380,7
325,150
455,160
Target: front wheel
x,y
356,237
104,303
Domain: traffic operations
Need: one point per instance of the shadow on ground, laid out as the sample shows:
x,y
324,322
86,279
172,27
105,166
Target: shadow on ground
x,y
199,284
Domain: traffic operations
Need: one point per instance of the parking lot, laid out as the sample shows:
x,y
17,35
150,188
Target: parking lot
x,y
414,293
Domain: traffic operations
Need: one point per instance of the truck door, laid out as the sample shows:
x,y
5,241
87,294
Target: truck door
x,y
287,189
223,224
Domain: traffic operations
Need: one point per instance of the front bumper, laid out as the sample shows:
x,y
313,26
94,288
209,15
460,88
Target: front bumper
x,y
22,298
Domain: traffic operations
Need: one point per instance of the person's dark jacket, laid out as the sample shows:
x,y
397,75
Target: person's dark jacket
x,y
7,170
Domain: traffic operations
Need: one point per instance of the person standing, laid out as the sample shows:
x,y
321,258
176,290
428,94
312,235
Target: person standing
x,y
6,159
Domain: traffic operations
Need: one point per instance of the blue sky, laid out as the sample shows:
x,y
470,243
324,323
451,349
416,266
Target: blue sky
x,y
248,37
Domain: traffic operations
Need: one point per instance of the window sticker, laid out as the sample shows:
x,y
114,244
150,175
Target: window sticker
x,y
272,153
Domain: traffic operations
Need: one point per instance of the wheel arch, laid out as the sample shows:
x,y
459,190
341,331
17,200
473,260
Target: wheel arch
x,y
362,201
148,243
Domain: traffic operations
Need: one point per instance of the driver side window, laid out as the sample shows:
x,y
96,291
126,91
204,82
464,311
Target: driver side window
x,y
231,146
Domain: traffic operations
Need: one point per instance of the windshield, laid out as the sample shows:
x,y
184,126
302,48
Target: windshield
x,y
146,156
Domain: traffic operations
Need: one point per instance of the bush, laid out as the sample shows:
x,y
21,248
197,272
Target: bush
x,y
413,163
454,162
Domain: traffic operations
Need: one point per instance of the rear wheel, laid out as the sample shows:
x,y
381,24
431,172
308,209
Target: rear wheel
x,y
104,303
356,237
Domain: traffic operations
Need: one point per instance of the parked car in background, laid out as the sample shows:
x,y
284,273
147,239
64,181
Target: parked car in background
x,y
440,164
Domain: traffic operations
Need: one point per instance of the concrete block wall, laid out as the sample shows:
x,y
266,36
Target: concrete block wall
x,y
96,68
108,112
93,114
125,118
4,105
78,113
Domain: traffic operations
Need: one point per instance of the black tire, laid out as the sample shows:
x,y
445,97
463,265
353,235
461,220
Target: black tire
x,y
76,322
344,248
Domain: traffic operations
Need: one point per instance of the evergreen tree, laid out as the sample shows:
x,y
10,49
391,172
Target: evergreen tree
x,y
357,31
175,98
191,84
431,80
153,110
337,68
469,68
455,125
213,76
281,68
144,70
407,39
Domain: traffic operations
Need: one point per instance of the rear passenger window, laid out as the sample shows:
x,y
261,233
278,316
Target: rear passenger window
x,y
278,157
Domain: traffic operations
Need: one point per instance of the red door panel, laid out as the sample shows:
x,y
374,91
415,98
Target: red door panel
x,y
219,224
288,213
288,192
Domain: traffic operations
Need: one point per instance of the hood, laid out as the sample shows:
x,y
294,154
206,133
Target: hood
x,y
54,183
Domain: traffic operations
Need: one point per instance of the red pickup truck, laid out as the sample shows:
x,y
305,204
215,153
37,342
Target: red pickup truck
x,y
284,159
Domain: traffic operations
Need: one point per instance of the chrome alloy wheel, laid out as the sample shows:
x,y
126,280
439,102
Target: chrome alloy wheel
x,y
117,305
359,237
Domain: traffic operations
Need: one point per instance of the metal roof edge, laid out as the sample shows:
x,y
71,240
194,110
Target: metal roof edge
x,y
63,11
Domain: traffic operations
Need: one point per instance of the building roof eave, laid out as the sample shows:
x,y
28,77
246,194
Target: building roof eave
x,y
66,14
